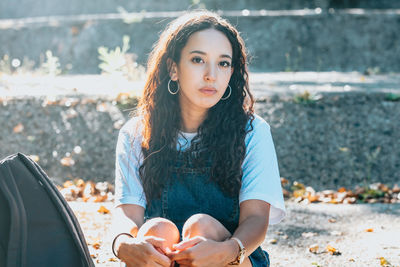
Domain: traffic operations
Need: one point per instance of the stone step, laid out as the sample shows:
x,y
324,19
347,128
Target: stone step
x,y
262,85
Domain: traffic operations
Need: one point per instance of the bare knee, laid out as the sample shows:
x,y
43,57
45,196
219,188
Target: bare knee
x,y
206,226
160,227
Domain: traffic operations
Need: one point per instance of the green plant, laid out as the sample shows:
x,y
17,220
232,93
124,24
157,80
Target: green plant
x,y
15,66
306,98
392,97
113,60
118,61
27,66
5,65
51,66
288,64
371,159
371,193
372,71
126,101
130,18
294,63
197,4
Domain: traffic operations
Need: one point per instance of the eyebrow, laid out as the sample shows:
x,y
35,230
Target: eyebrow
x,y
203,53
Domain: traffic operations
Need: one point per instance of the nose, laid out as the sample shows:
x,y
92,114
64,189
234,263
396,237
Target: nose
x,y
211,73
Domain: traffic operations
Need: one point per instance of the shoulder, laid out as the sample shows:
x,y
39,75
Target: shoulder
x,y
132,130
132,127
258,128
130,135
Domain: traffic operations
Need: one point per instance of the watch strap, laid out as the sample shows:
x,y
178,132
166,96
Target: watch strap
x,y
242,252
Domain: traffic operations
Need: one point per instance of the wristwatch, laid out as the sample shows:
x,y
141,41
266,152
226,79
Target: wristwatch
x,y
241,255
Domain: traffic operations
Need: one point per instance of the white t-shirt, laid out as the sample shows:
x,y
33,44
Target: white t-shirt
x,y
261,179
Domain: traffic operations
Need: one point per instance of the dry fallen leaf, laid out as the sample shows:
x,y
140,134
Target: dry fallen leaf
x,y
334,201
35,158
313,198
299,193
101,107
90,189
96,245
332,250
67,161
286,193
18,128
337,233
349,200
313,248
284,181
103,210
80,183
332,220
101,198
68,193
309,234
384,262
396,189
272,241
68,184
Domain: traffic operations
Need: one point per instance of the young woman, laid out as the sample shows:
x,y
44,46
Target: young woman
x,y
197,179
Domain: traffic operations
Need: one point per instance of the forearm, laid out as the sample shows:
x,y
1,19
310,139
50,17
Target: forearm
x,y
122,224
126,220
251,231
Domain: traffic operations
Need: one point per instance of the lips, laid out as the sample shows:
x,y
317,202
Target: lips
x,y
208,90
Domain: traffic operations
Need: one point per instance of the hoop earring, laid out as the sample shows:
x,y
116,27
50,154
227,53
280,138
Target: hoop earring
x,y
230,91
169,88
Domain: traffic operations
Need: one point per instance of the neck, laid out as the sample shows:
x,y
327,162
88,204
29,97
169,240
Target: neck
x,y
192,118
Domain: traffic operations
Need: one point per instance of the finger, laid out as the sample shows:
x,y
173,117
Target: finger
x,y
159,258
157,242
180,255
184,263
188,243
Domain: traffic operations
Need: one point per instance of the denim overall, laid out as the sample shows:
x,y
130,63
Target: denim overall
x,y
190,192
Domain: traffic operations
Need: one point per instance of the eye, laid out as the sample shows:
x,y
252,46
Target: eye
x,y
225,64
197,60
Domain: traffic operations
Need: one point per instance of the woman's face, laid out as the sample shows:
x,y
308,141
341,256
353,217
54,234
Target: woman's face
x,y
204,70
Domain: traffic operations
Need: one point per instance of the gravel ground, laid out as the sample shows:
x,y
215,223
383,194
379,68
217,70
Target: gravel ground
x,y
345,136
362,233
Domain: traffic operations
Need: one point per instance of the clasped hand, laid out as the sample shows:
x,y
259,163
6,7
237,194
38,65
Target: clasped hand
x,y
199,251
152,251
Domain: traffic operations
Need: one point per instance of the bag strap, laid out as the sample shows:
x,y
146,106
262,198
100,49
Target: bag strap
x,y
17,244
64,209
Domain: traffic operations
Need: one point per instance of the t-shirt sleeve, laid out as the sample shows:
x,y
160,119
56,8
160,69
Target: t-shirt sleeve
x,y
261,179
128,187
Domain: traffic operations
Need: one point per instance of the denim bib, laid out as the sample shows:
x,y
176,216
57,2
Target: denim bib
x,y
190,191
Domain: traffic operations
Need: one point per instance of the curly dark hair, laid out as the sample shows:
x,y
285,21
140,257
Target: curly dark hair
x,y
220,137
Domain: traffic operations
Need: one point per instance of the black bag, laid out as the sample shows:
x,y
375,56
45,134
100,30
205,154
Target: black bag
x,y
37,227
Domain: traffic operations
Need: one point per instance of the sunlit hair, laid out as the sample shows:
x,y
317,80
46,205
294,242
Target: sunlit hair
x,y
221,137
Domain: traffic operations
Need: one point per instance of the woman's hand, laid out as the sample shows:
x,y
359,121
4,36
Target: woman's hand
x,y
147,251
199,251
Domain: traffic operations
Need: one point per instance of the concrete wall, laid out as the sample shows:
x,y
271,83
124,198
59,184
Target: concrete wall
x,y
30,8
324,42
